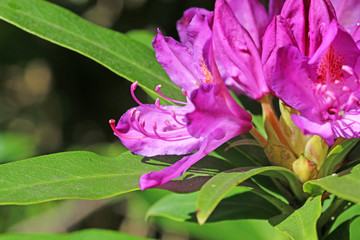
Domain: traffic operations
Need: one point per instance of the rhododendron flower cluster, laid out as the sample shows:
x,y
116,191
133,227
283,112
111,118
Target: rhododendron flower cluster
x,y
304,52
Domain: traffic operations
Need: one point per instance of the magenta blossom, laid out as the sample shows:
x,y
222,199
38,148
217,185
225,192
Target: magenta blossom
x,y
210,116
324,88
238,30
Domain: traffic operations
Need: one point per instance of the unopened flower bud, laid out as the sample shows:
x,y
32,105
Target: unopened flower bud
x,y
316,150
295,137
304,169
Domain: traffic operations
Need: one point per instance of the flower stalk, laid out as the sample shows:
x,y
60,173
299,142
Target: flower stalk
x,y
259,138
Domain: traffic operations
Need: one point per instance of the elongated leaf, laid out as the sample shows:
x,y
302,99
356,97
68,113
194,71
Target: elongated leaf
x,y
336,156
68,175
92,234
345,186
217,187
119,53
240,203
301,224
83,175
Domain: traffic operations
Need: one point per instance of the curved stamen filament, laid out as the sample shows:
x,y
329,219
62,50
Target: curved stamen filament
x,y
167,139
157,89
119,134
158,109
173,114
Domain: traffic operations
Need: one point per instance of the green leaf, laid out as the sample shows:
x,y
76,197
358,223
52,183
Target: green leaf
x,y
68,175
336,156
301,224
240,203
344,185
92,234
116,51
183,210
224,230
217,187
85,175
352,212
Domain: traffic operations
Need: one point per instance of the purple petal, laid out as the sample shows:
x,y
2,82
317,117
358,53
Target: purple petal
x,y
216,113
195,26
153,179
308,127
236,54
295,13
355,32
321,13
275,7
198,41
293,83
170,138
348,126
177,61
341,42
277,35
252,15
347,12
216,119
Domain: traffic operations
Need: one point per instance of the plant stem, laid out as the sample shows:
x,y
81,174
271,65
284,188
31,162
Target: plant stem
x,y
269,114
255,133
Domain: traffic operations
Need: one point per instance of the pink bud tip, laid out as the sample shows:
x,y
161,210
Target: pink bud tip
x,y
112,125
134,85
158,87
184,92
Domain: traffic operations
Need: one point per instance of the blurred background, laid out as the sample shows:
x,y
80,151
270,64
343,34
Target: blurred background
x,y
53,99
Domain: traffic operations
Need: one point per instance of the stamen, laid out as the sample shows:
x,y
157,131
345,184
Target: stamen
x,y
119,134
168,139
318,87
184,92
173,114
346,89
157,103
132,112
331,95
132,88
352,99
167,122
348,69
157,89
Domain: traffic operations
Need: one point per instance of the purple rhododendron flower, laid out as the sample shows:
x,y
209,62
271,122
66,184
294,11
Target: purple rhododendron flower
x,y
318,73
210,116
238,30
